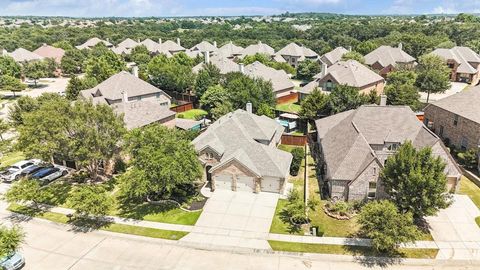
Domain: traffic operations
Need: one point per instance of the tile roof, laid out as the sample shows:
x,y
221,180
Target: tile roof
x,y
465,103
346,138
48,51
463,56
333,56
351,73
24,55
387,55
236,135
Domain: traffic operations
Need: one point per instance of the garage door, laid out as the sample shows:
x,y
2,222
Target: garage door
x,y
223,182
245,183
270,184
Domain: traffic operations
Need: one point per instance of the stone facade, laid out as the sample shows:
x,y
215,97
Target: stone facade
x,y
463,77
375,86
451,128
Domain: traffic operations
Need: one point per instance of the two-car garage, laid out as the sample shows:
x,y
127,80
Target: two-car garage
x,y
246,183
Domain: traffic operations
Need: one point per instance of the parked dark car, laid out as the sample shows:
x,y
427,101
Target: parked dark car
x,y
34,169
49,174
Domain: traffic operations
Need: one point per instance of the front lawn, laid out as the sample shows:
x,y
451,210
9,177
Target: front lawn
x,y
112,227
11,158
194,114
467,187
416,253
288,107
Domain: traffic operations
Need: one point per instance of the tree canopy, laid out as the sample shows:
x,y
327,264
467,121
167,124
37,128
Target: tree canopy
x,y
433,75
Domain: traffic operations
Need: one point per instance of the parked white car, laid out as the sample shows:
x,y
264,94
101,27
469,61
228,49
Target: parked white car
x,y
13,172
12,262
49,174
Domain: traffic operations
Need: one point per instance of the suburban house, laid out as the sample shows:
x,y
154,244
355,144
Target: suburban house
x,y
171,47
47,51
151,45
239,153
456,119
385,59
230,50
205,46
93,42
293,54
225,65
463,62
21,55
140,102
333,56
354,145
126,46
351,73
282,85
260,48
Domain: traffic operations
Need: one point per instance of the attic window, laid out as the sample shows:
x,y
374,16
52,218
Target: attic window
x,y
97,93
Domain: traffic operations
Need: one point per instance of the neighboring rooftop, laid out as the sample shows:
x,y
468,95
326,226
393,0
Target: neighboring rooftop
x,y
260,47
387,55
142,112
465,103
24,55
204,46
351,73
224,64
230,50
346,138
296,50
333,56
48,51
236,135
279,78
92,42
463,56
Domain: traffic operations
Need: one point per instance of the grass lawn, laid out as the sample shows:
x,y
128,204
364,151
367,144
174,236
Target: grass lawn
x,y
348,250
467,187
11,158
288,107
112,227
192,114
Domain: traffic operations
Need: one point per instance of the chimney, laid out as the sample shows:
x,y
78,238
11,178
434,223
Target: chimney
x,y
214,44
324,70
400,46
135,71
159,41
44,44
124,97
4,52
241,68
138,40
259,42
249,107
349,48
207,57
108,39
178,41
383,100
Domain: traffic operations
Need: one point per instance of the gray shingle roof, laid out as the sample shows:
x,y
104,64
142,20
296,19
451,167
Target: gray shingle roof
x,y
128,43
279,78
141,113
387,55
465,103
296,50
351,73
171,47
260,47
24,55
230,49
234,136
48,51
461,55
333,56
346,138
92,42
225,65
113,88
204,46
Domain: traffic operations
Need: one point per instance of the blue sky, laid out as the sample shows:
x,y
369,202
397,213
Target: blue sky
x,y
129,8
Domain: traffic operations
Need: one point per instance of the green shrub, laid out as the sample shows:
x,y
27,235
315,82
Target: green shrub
x,y
298,154
468,159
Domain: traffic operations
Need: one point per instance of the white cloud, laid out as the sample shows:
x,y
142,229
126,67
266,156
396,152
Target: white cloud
x,y
444,10
219,11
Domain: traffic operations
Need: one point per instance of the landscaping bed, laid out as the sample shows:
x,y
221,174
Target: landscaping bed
x,y
194,114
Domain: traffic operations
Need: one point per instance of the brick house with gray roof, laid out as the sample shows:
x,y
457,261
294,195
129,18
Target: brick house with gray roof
x,y
354,145
239,152
464,63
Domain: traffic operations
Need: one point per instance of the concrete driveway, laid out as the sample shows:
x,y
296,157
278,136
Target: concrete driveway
x,y
455,231
455,88
238,219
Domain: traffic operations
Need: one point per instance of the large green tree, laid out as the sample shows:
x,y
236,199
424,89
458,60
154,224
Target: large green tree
x,y
207,77
243,89
174,74
35,70
343,98
90,201
10,83
353,56
8,66
163,160
386,226
76,84
72,61
433,75
415,181
10,239
313,105
307,69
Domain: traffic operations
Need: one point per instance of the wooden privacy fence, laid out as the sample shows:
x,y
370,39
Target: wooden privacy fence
x,y
182,108
299,140
290,98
